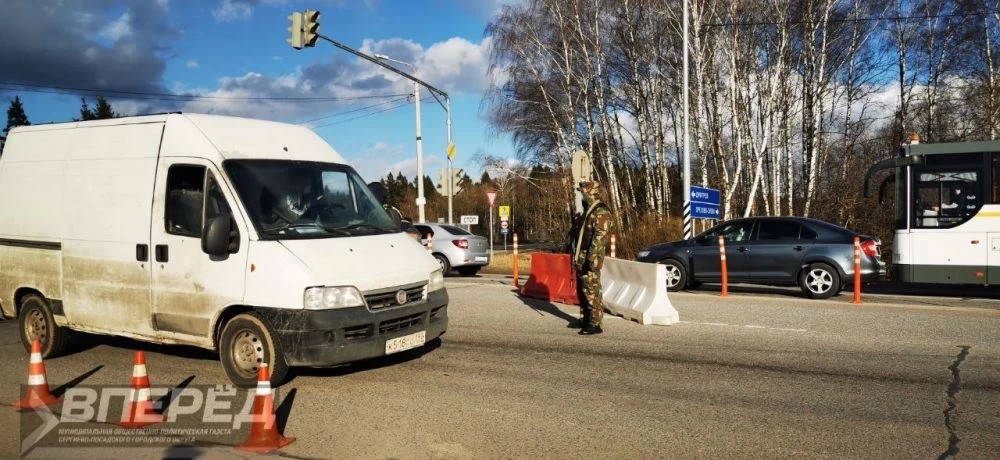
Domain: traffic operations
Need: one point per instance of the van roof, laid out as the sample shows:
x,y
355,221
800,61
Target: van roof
x,y
232,137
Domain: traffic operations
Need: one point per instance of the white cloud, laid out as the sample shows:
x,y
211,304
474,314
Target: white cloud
x,y
455,65
191,64
377,160
233,10
236,10
458,64
118,29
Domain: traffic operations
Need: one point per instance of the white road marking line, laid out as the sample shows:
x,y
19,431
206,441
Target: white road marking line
x,y
748,326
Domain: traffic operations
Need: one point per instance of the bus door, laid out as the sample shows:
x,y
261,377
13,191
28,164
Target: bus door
x,y
993,259
945,247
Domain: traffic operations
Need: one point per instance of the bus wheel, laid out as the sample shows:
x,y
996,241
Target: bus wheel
x,y
37,323
819,281
246,343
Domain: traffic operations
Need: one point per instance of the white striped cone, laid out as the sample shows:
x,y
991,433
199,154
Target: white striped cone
x,y
37,393
140,411
264,436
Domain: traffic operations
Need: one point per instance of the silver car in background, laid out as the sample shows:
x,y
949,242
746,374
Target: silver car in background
x,y
455,248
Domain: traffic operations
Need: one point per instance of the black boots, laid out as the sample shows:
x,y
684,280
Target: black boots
x,y
591,330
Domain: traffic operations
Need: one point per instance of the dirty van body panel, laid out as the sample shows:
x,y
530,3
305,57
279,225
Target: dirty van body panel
x,y
191,287
329,337
29,267
107,197
31,192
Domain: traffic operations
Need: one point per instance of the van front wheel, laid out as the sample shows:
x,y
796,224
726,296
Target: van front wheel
x,y
245,344
37,323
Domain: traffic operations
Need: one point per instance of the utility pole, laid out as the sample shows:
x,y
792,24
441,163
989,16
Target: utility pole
x,y
451,154
421,201
688,233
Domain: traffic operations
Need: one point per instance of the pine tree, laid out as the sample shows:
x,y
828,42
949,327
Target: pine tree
x,y
486,180
16,115
430,192
104,110
101,111
85,112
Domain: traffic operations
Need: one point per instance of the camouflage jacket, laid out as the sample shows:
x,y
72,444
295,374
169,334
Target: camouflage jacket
x,y
593,238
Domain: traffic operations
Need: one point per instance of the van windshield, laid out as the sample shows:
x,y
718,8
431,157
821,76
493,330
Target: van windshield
x,y
303,199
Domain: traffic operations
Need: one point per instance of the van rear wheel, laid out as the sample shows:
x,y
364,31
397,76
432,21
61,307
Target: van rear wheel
x,y
37,323
245,344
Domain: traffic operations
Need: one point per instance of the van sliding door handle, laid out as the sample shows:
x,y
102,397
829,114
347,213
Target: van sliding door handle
x,y
797,248
142,252
161,253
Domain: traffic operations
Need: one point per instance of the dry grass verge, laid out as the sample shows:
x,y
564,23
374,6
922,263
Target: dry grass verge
x,y
503,263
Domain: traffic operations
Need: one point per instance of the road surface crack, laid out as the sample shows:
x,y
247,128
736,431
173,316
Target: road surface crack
x,y
953,388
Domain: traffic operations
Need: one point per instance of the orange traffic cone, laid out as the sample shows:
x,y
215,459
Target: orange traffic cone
x,y
140,409
264,436
37,394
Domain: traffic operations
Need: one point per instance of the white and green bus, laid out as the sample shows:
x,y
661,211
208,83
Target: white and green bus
x,y
947,211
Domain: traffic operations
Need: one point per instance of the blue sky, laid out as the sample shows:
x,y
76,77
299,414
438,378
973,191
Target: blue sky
x,y
234,52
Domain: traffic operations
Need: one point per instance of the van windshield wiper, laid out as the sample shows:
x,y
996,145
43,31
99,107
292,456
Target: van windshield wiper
x,y
347,228
296,226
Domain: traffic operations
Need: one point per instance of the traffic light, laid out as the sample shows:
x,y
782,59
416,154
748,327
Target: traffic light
x,y
310,27
457,178
296,31
442,182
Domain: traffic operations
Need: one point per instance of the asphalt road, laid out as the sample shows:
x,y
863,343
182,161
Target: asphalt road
x,y
760,375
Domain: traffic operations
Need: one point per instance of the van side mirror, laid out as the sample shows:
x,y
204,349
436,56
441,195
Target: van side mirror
x,y
221,236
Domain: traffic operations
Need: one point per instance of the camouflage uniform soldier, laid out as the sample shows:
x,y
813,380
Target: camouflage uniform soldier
x,y
591,245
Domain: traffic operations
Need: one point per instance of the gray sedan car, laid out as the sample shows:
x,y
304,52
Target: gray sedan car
x,y
455,248
818,256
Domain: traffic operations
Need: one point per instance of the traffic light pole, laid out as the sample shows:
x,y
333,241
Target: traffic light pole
x,y
438,95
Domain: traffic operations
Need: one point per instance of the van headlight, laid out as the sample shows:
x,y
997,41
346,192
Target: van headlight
x,y
326,298
436,282
644,254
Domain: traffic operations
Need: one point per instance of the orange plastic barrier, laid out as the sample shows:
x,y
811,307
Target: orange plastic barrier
x,y
551,278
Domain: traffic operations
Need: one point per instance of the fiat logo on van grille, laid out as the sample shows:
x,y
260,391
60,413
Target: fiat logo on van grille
x,y
400,296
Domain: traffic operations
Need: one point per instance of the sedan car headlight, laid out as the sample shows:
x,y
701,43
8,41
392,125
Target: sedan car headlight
x,y
326,298
436,281
644,254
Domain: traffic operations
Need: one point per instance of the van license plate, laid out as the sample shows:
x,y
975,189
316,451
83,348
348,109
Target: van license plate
x,y
405,342
482,259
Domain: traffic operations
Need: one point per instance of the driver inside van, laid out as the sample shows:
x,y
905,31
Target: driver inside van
x,y
297,201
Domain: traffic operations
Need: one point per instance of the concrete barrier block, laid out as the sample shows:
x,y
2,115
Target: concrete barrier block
x,y
637,291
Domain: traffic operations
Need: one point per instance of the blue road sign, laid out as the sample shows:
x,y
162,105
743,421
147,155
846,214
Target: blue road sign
x,y
705,203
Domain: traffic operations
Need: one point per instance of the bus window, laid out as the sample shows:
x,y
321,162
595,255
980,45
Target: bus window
x,y
996,178
945,199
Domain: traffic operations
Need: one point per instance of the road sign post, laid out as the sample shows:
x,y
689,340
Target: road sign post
x,y
492,196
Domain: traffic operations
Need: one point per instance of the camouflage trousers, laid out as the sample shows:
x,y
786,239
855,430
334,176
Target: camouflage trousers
x,y
588,291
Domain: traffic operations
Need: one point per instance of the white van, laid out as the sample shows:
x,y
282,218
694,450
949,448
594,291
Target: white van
x,y
249,237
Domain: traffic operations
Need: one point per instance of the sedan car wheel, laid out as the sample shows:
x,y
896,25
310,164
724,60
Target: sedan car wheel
x,y
819,281
676,277
445,266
